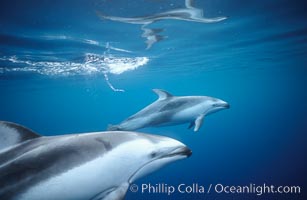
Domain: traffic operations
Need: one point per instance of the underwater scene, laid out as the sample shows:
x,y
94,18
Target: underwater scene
x,y
202,99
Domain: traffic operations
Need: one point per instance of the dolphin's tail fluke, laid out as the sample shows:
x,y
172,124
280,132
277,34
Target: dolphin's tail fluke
x,y
113,127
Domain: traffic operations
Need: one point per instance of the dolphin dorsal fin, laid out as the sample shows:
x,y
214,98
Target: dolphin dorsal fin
x,y
11,134
162,94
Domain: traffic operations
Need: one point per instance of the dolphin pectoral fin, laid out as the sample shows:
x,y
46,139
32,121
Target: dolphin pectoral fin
x,y
115,193
162,94
198,122
191,125
11,134
118,194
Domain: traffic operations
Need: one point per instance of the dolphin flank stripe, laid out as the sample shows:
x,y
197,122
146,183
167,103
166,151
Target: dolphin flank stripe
x,y
178,103
43,168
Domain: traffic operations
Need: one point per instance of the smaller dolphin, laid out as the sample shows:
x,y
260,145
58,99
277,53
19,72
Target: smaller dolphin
x,y
92,166
172,110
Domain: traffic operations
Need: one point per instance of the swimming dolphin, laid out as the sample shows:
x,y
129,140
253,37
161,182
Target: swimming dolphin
x,y
189,13
172,110
92,166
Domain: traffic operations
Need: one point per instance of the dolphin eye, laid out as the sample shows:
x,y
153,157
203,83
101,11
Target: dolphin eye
x,y
216,105
153,154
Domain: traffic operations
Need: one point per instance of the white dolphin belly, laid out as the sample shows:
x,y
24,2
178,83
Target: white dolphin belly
x,y
188,115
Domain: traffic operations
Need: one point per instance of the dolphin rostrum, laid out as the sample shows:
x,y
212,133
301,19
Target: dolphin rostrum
x,y
91,166
189,13
172,110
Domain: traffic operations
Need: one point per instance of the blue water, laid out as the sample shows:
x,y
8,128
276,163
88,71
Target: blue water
x,y
63,70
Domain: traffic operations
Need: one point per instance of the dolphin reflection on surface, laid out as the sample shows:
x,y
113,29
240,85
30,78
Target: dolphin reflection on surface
x,y
189,13
152,36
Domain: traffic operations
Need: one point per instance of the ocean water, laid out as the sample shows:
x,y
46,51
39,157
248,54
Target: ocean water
x,y
64,70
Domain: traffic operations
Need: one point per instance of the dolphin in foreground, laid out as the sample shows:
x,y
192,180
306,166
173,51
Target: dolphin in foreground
x,y
89,166
189,13
172,110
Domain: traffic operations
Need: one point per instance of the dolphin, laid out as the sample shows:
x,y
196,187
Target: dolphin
x,y
91,166
172,110
188,13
